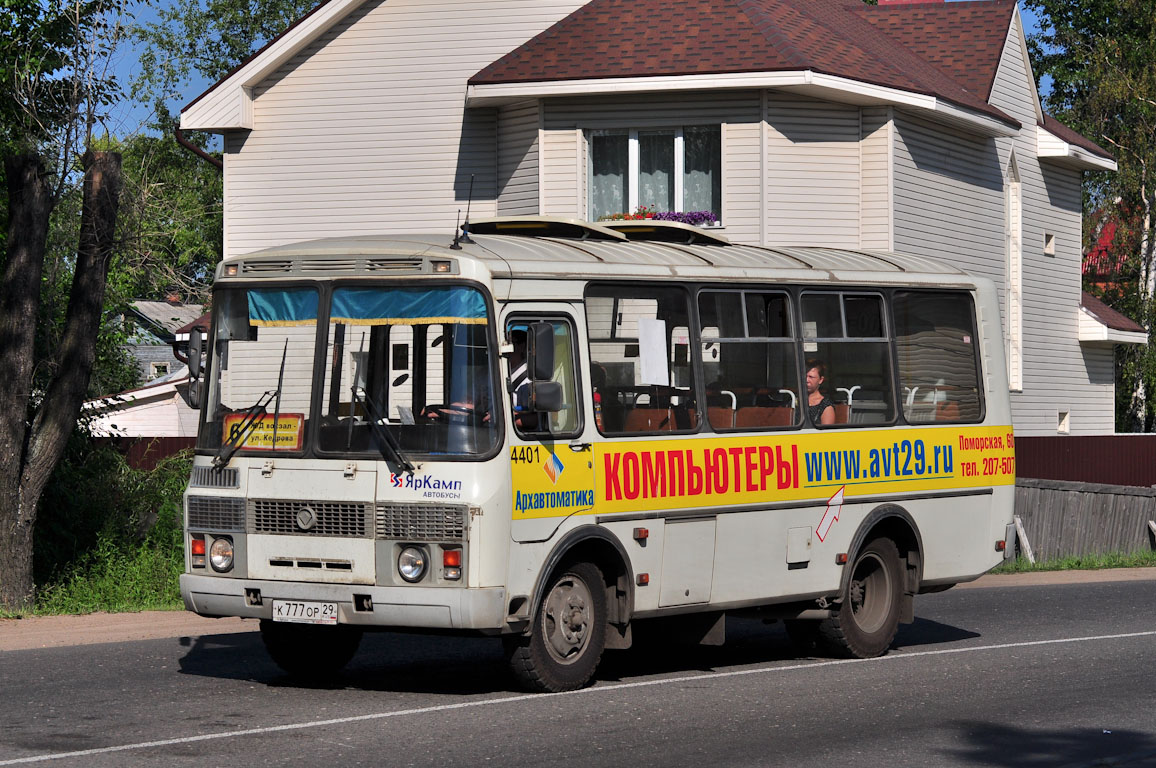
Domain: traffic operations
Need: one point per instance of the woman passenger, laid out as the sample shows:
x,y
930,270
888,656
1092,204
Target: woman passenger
x,y
819,406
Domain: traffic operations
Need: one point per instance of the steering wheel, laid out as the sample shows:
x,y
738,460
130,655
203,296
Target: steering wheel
x,y
471,415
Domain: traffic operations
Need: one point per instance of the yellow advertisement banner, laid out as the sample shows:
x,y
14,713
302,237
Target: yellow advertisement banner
x,y
636,475
289,430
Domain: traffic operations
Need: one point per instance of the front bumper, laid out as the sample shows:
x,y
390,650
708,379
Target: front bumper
x,y
476,609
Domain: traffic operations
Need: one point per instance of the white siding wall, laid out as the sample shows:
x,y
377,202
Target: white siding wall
x,y
365,130
518,159
875,166
812,172
1058,373
564,158
950,203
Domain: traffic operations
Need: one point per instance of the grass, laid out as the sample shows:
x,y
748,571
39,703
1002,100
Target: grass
x,y
1140,559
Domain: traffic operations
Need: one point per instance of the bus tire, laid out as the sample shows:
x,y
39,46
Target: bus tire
x,y
868,618
307,651
568,634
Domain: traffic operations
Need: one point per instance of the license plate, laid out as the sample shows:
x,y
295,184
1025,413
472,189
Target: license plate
x,y
301,612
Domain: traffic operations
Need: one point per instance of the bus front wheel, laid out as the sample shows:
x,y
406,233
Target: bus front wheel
x,y
868,618
568,634
310,652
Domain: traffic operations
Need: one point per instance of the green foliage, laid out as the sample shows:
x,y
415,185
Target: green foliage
x,y
109,536
1141,559
170,225
207,38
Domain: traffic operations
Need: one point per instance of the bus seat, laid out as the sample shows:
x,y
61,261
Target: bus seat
x,y
764,416
721,416
648,420
842,413
947,410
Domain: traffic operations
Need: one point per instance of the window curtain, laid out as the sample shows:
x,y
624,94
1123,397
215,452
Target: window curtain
x,y
702,170
656,170
609,159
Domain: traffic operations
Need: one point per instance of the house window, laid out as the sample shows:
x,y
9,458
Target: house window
x,y
670,169
156,370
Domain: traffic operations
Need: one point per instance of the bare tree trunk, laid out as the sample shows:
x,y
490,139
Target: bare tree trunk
x,y
1138,408
29,206
23,478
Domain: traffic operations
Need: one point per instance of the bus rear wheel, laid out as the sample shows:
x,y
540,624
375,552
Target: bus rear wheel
x,y
568,634
309,652
868,618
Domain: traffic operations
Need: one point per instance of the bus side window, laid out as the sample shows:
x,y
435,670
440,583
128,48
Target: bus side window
x,y
749,359
640,359
938,366
566,422
845,336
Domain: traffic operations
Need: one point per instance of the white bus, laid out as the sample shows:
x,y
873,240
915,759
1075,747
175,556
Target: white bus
x,y
701,429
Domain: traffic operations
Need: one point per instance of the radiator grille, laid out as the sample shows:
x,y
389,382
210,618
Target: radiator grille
x,y
333,518
216,513
421,522
207,477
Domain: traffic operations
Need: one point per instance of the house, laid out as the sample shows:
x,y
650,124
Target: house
x,y
913,127
153,328
154,410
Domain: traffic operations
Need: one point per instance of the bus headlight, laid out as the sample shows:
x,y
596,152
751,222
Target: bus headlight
x,y
221,554
411,564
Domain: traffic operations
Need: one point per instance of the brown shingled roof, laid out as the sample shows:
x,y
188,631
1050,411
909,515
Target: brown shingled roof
x,y
641,38
1109,316
965,40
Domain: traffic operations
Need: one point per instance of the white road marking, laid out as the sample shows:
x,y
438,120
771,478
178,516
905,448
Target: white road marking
x,y
539,696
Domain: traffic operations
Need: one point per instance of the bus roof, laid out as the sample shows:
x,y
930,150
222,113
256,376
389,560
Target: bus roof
x,y
538,256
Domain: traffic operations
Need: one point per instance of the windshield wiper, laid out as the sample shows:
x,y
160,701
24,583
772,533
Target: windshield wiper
x,y
390,448
253,416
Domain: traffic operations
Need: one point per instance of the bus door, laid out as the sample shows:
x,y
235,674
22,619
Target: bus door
x,y
551,461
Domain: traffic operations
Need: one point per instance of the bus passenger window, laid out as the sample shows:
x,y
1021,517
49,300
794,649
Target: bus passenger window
x,y
640,363
749,361
938,368
847,333
563,423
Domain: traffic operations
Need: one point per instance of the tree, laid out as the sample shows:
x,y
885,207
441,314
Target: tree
x,y
1099,55
56,58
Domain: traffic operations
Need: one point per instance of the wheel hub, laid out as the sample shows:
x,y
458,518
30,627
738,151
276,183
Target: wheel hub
x,y
566,620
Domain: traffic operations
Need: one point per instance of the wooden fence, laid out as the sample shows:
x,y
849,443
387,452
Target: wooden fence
x,y
147,452
1064,518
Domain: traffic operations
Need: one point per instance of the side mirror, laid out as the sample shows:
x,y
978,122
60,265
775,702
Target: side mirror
x,y
545,396
196,339
191,393
540,353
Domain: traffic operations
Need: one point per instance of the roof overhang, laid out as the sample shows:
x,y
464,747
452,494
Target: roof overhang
x,y
1093,331
1052,148
806,82
229,104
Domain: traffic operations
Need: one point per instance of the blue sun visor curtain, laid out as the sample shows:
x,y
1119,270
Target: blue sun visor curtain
x,y
282,307
408,306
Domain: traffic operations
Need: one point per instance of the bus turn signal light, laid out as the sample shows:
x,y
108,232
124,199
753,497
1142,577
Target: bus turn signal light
x,y
641,533
452,564
841,558
1000,545
197,551
643,579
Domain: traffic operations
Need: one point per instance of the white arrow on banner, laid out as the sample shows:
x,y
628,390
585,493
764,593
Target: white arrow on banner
x,y
834,505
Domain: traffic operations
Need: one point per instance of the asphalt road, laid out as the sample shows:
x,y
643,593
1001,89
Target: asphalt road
x,y
1017,676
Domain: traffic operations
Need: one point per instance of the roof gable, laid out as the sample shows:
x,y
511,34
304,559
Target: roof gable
x,y
699,37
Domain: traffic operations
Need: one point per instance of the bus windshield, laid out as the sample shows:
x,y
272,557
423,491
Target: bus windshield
x,y
408,371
